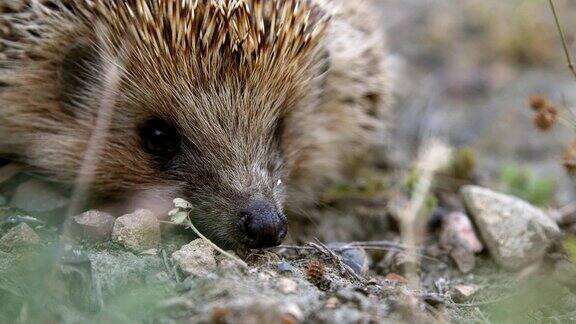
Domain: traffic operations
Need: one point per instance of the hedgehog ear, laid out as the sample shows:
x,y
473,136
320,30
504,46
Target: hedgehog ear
x,y
77,71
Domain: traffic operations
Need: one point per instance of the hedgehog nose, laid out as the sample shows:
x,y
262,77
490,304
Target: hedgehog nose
x,y
262,225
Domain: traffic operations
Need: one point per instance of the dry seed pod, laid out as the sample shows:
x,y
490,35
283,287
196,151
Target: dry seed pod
x,y
316,274
546,118
538,102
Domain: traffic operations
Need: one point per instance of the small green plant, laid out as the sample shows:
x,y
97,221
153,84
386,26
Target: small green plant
x,y
524,184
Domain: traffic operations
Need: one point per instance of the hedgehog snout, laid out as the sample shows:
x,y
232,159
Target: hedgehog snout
x,y
262,225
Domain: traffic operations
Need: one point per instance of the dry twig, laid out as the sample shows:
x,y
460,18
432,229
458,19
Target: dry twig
x,y
563,37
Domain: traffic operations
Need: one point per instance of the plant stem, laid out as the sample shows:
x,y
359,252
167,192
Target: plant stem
x,y
214,246
563,37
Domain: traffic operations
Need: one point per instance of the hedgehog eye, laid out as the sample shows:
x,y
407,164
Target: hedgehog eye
x,y
160,138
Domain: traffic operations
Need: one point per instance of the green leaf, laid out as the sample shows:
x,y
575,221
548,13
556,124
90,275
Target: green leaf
x,y
179,217
182,204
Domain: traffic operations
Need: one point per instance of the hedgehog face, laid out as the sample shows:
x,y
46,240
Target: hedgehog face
x,y
234,177
189,95
215,140
232,172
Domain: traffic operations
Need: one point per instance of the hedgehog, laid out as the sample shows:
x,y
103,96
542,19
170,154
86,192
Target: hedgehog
x,y
245,108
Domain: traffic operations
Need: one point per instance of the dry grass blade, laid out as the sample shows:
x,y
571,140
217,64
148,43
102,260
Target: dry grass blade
x,y
112,77
214,246
180,216
563,37
433,157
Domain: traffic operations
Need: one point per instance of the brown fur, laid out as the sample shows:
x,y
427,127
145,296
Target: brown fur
x,y
242,80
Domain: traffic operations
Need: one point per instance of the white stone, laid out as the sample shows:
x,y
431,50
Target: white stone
x,y
139,231
287,285
462,293
516,233
196,258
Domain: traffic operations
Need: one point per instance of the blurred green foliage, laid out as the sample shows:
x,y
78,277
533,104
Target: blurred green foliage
x,y
463,164
35,289
525,184
536,300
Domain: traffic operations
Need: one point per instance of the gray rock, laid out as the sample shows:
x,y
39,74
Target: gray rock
x,y
356,258
139,231
93,226
284,267
3,200
35,196
19,237
196,258
516,233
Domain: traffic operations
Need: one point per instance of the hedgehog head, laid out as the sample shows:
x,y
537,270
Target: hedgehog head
x,y
186,94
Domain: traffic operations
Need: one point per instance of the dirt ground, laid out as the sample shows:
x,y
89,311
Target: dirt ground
x,y
463,72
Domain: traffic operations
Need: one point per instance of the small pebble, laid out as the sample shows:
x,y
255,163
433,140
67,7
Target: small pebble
x,y
19,237
459,226
462,293
332,303
285,267
287,286
356,258
139,231
93,226
459,238
396,278
196,258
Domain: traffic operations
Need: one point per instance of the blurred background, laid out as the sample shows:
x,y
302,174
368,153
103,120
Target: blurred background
x,y
465,71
